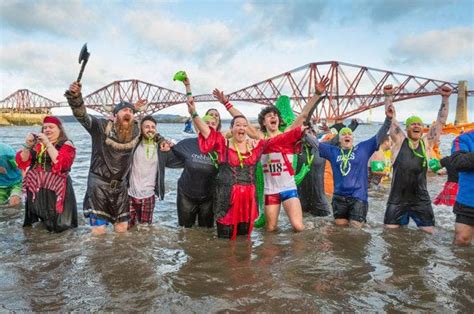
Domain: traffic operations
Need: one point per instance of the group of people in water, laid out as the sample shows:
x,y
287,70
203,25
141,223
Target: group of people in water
x,y
236,179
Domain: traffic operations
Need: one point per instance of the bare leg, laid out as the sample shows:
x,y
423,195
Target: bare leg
x,y
341,222
357,224
15,201
463,234
98,230
294,212
121,227
392,226
428,229
271,215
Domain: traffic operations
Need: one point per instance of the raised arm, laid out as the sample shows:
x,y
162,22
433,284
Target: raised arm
x,y
202,127
435,130
252,132
385,126
75,101
396,133
311,140
313,101
189,95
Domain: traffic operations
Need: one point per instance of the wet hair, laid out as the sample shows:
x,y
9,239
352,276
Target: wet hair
x,y
265,111
235,118
219,125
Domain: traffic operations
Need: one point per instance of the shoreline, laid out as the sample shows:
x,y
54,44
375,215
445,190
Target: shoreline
x,y
28,119
21,119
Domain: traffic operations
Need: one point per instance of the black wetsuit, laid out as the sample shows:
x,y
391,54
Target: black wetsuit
x,y
195,185
409,196
311,188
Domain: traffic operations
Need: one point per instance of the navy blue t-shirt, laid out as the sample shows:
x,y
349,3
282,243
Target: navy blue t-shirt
x,y
354,184
199,171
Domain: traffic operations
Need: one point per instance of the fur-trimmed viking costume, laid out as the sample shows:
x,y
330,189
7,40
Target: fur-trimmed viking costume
x,y
106,196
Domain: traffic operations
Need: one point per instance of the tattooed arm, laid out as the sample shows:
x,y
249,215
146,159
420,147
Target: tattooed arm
x,y
396,133
252,132
435,130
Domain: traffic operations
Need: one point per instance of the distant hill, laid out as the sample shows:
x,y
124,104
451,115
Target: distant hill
x,y
162,118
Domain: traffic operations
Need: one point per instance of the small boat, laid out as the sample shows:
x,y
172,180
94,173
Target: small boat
x,y
454,129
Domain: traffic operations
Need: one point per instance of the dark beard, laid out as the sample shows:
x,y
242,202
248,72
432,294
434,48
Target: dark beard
x,y
124,130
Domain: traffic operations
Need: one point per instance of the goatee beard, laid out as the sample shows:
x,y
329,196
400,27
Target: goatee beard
x,y
124,130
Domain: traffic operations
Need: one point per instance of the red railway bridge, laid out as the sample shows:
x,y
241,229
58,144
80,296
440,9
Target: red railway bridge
x,y
352,89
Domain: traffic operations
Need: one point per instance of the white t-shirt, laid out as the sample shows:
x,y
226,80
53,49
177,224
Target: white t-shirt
x,y
143,175
277,177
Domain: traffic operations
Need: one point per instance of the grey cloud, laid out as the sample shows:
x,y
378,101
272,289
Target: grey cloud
x,y
288,17
208,41
61,18
45,66
389,10
446,45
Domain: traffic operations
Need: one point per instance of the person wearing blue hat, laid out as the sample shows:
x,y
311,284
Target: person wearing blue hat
x,y
113,140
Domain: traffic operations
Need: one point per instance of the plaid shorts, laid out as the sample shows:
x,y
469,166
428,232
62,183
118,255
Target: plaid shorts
x,y
141,210
448,195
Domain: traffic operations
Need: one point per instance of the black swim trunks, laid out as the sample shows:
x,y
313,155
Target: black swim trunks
x,y
347,207
464,214
400,214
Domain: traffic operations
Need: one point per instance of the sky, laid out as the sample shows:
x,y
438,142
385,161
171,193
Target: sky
x,y
232,44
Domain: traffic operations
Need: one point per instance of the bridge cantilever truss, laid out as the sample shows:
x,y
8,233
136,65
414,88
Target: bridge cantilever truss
x,y
352,89
131,91
26,100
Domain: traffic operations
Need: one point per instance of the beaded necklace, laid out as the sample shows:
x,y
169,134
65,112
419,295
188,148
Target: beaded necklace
x,y
150,144
214,157
239,155
423,151
41,156
345,160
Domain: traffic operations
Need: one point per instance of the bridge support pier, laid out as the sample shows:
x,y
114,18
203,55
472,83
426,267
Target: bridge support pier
x,y
461,107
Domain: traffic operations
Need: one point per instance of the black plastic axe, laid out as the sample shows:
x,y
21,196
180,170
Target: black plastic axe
x,y
83,57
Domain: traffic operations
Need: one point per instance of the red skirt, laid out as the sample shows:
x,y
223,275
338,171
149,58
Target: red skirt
x,y
243,208
447,196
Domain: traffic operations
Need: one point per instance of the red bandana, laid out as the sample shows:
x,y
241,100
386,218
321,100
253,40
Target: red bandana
x,y
52,119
